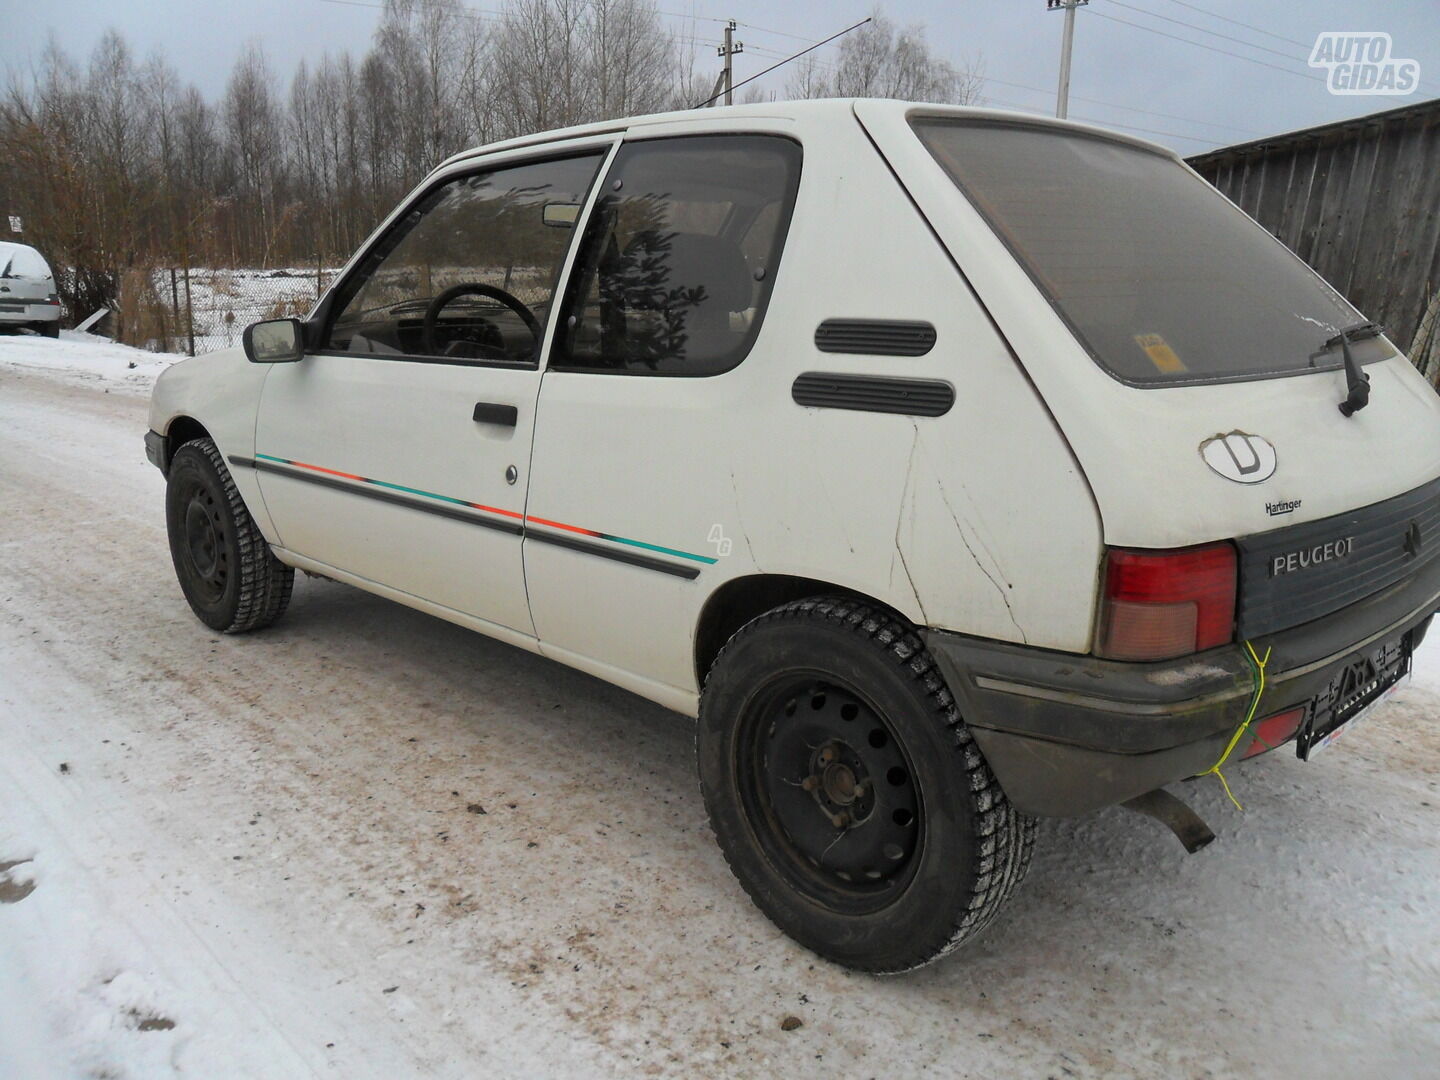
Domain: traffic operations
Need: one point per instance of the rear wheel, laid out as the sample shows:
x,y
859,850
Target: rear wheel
x,y
50,329
846,792
229,576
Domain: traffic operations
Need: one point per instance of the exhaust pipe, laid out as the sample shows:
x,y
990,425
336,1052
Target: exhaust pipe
x,y
1189,828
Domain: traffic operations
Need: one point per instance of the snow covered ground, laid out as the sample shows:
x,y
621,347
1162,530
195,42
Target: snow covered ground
x,y
367,843
84,359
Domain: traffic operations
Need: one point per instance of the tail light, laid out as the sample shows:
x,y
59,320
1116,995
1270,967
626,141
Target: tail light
x,y
1162,604
1274,730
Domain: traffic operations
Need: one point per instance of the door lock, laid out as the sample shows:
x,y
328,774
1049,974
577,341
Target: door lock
x,y
512,474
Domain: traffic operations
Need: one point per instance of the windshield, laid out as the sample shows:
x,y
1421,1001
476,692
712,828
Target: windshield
x,y
1161,279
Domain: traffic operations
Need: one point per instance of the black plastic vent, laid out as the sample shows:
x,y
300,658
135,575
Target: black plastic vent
x,y
875,337
871,393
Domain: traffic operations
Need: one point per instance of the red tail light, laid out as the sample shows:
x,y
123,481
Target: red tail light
x,y
1162,604
1274,730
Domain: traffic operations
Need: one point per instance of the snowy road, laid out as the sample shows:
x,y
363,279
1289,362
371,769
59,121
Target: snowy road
x,y
370,844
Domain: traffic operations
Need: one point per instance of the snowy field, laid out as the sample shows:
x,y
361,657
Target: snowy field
x,y
367,843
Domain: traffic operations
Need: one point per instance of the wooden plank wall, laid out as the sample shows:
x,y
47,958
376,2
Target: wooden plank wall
x,y
1359,202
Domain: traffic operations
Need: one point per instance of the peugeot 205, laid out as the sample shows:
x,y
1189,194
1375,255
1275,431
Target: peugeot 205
x,y
952,467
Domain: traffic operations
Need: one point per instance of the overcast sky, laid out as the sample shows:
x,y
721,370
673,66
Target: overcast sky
x,y
1187,96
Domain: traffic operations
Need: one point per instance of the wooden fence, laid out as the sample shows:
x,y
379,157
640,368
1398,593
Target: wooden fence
x,y
1357,200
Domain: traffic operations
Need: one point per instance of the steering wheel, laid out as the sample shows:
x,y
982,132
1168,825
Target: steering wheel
x,y
432,313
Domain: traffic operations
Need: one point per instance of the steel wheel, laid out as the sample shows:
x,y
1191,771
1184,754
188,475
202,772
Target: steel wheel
x,y
830,783
230,577
206,544
846,791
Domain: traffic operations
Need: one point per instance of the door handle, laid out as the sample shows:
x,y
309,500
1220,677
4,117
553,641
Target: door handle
x,y
488,412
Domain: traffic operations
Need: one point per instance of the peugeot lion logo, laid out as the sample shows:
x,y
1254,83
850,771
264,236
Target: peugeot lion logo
x,y
1246,459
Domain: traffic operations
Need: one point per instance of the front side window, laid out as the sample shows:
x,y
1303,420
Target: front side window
x,y
1159,277
680,255
469,274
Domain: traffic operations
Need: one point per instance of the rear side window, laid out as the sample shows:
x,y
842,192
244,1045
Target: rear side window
x,y
1161,279
680,255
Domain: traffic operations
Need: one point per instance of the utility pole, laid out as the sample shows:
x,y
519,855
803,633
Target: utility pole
x,y
729,49
1062,95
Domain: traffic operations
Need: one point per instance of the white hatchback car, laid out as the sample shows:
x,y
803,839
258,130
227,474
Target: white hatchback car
x,y
952,466
27,290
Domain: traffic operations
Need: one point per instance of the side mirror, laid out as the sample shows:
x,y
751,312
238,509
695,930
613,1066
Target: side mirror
x,y
559,215
277,341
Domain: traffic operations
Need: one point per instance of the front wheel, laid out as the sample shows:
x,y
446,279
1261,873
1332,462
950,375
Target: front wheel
x,y
229,575
846,792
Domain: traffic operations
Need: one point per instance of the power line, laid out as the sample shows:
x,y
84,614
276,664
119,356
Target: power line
x,y
777,33
1237,22
799,54
747,25
828,65
1212,33
1202,45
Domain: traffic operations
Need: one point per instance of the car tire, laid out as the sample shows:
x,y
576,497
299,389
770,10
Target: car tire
x,y
50,329
229,575
847,793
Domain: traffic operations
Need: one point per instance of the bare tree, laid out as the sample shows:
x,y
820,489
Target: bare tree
x,y
252,123
117,164
879,60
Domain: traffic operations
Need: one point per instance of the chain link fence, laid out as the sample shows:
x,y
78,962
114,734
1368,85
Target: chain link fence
x,y
195,310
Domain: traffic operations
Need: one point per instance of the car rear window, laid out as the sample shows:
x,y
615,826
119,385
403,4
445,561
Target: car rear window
x,y
20,261
1160,278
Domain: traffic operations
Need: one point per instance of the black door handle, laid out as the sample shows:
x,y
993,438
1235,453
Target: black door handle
x,y
487,412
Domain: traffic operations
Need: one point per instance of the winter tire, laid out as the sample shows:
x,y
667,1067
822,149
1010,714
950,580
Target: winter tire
x,y
230,577
846,791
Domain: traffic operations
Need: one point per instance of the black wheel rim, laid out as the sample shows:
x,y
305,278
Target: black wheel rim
x,y
205,543
830,792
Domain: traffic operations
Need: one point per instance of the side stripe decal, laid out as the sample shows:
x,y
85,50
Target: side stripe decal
x,y
514,528
461,510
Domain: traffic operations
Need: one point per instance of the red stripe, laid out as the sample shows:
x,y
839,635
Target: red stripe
x,y
497,510
332,472
561,525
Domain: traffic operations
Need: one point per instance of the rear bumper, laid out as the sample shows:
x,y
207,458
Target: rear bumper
x,y
31,313
1069,734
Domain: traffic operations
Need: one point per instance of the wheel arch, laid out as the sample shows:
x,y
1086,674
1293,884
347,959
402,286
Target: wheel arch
x,y
180,430
741,599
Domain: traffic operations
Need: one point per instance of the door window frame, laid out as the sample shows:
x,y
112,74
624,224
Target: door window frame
x,y
321,320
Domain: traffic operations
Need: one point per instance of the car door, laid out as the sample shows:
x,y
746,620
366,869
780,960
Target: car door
x,y
647,390
397,451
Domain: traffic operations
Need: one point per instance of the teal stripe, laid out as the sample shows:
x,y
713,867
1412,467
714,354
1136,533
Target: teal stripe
x,y
657,547
417,491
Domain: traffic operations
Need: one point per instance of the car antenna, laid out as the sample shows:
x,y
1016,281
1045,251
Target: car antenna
x,y
1357,383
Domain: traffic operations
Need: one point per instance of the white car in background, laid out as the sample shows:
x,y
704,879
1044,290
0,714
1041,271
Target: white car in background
x,y
27,290
953,467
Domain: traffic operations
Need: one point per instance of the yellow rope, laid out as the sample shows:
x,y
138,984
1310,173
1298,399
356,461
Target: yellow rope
x,y
1259,663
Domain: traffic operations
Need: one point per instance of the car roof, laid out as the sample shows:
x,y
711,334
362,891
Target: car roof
x,y
24,257
816,111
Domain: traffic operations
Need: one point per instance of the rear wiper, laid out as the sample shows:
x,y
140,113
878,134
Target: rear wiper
x,y
1357,383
